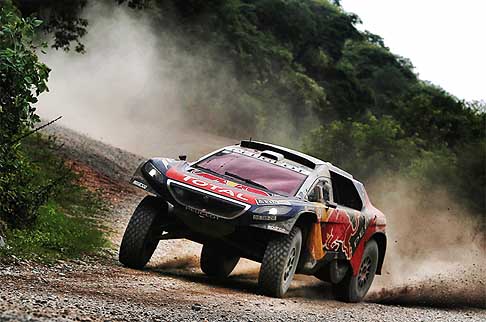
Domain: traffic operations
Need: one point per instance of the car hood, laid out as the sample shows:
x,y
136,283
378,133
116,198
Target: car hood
x,y
198,179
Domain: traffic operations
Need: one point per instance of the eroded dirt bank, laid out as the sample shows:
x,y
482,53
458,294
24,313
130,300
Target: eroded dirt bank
x,y
173,288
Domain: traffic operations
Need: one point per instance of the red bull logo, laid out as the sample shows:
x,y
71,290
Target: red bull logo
x,y
343,231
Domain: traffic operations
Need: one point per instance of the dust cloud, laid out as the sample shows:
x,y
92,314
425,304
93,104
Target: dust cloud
x,y
436,250
130,88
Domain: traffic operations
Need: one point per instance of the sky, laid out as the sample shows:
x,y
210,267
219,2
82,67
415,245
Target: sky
x,y
444,39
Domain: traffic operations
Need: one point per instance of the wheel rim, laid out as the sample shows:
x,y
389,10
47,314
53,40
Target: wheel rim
x,y
290,264
364,272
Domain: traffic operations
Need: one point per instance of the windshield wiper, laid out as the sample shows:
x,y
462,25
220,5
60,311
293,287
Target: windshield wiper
x,y
245,180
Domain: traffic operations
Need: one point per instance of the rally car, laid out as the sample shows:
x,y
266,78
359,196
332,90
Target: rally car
x,y
289,211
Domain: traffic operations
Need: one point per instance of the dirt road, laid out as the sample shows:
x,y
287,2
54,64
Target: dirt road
x,y
173,288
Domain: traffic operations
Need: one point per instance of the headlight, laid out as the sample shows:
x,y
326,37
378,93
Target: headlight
x,y
152,171
273,210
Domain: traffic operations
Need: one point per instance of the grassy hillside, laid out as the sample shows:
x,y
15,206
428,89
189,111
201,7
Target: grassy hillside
x,y
65,225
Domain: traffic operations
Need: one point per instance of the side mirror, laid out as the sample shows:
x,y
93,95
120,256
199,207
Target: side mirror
x,y
183,157
315,195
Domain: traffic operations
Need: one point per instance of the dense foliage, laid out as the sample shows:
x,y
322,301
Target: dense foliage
x,y
303,66
304,73
22,79
301,73
61,19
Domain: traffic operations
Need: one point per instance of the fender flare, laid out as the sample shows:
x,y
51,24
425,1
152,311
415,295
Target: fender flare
x,y
285,226
380,238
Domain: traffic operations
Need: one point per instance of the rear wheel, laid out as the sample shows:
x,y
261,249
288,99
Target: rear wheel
x,y
217,262
279,263
142,233
354,288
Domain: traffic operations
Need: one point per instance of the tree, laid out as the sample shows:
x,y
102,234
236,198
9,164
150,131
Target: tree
x,y
363,148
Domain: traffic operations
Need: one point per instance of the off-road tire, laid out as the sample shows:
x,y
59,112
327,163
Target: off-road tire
x,y
140,239
351,289
217,262
275,273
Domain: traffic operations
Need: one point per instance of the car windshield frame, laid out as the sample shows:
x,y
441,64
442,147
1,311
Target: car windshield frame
x,y
299,177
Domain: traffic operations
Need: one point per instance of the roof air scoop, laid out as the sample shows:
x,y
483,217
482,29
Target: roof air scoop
x,y
272,155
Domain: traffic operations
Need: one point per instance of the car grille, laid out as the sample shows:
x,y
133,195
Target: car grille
x,y
201,202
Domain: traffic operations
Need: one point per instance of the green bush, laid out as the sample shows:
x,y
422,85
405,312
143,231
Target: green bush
x,y
22,79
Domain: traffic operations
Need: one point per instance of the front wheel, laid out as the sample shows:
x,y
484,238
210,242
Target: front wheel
x,y
217,262
354,288
141,236
279,263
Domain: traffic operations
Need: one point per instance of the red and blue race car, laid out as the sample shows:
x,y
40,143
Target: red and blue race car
x,y
289,211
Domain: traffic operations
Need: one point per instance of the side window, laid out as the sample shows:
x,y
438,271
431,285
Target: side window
x,y
313,194
344,192
320,192
326,193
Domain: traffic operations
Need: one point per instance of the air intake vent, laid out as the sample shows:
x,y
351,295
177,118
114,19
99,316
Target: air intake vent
x,y
272,155
289,155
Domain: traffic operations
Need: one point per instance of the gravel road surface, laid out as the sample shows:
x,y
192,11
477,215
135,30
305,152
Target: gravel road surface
x,y
173,288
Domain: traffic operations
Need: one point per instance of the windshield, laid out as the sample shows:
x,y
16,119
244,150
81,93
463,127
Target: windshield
x,y
238,166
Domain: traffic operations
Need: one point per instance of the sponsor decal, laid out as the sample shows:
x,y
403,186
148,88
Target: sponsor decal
x,y
213,187
202,213
208,186
230,183
139,184
344,230
276,228
272,202
266,218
